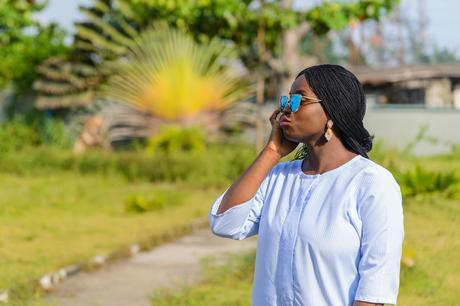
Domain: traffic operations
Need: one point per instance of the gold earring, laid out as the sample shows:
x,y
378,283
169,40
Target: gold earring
x,y
328,134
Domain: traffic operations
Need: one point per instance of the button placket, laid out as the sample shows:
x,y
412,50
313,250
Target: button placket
x,y
287,243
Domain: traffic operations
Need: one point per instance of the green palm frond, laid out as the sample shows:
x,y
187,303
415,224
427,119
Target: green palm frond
x,y
106,32
63,83
100,41
126,10
100,6
69,100
105,27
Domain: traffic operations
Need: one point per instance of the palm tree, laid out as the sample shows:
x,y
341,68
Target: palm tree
x,y
104,35
169,75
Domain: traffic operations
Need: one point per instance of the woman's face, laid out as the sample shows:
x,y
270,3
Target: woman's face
x,y
308,123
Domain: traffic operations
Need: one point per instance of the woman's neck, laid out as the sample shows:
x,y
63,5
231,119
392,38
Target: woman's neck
x,y
326,156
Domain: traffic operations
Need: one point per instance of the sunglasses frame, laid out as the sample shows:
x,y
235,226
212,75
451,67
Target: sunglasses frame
x,y
294,105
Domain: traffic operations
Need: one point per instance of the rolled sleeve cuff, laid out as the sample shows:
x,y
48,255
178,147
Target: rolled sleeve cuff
x,y
230,223
376,299
377,293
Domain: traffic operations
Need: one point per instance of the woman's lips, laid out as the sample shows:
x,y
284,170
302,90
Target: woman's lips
x,y
284,121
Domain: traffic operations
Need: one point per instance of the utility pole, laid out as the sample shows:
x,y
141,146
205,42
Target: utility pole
x,y
260,84
351,45
402,48
422,24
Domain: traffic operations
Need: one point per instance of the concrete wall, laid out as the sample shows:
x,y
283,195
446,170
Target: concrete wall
x,y
398,126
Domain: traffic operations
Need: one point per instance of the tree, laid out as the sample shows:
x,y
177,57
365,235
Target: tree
x,y
267,33
400,39
284,26
25,43
109,24
72,80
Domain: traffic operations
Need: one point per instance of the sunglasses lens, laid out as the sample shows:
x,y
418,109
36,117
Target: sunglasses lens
x,y
283,102
295,102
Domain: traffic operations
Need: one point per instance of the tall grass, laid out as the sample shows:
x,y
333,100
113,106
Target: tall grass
x,y
419,181
215,166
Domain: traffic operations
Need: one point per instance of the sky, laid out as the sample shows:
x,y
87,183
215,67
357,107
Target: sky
x,y
443,20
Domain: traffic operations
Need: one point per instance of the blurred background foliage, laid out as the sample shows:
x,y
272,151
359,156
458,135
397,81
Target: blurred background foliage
x,y
25,43
117,34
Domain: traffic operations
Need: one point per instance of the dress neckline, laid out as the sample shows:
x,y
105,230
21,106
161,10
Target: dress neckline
x,y
341,167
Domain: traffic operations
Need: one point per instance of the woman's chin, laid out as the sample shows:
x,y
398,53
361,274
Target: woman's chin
x,y
288,135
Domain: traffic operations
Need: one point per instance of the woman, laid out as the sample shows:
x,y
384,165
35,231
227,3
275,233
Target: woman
x,y
330,224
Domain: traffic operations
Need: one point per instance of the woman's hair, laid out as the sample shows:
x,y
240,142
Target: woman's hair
x,y
342,98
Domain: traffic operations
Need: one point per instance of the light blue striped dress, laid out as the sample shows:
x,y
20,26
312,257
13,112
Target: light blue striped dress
x,y
323,239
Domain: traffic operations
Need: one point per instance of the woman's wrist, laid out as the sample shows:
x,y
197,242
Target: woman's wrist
x,y
271,154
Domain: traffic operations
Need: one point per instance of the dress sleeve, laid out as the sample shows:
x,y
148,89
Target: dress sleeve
x,y
240,221
381,214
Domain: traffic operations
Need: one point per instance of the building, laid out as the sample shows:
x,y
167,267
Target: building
x,y
416,107
429,86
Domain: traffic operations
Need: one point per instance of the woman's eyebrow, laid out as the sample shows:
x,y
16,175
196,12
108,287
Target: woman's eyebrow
x,y
298,91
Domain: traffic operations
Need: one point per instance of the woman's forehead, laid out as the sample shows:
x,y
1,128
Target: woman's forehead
x,y
300,85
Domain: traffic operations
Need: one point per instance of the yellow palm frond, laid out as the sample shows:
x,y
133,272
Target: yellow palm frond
x,y
171,76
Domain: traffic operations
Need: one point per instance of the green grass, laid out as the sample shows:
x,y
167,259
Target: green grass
x,y
51,221
216,166
226,285
432,234
57,209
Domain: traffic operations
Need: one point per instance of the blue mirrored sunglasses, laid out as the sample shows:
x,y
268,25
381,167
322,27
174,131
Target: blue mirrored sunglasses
x,y
294,101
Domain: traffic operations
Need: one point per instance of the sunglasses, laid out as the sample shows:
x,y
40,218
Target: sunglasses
x,y
294,101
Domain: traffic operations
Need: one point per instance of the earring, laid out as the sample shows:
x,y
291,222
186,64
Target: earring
x,y
328,134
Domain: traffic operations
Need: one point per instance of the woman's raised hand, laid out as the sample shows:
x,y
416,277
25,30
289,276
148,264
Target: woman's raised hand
x,y
277,142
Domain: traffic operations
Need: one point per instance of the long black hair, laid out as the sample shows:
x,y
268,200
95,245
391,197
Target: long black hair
x,y
344,102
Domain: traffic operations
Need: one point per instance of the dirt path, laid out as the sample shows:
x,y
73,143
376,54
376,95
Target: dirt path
x,y
132,281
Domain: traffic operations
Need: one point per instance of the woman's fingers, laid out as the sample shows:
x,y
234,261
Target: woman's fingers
x,y
274,114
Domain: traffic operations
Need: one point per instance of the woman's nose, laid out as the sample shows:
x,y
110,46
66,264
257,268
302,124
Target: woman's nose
x,y
287,109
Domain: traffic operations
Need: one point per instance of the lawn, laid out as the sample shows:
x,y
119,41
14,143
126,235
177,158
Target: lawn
x,y
433,233
54,220
56,209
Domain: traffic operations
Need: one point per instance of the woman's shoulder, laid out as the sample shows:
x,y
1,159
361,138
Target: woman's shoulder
x,y
373,177
372,169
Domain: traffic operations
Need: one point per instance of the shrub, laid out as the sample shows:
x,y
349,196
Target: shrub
x,y
139,204
31,130
217,166
420,181
17,134
173,139
53,132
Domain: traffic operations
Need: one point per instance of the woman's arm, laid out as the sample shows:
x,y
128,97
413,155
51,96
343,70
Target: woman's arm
x,y
246,186
381,213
